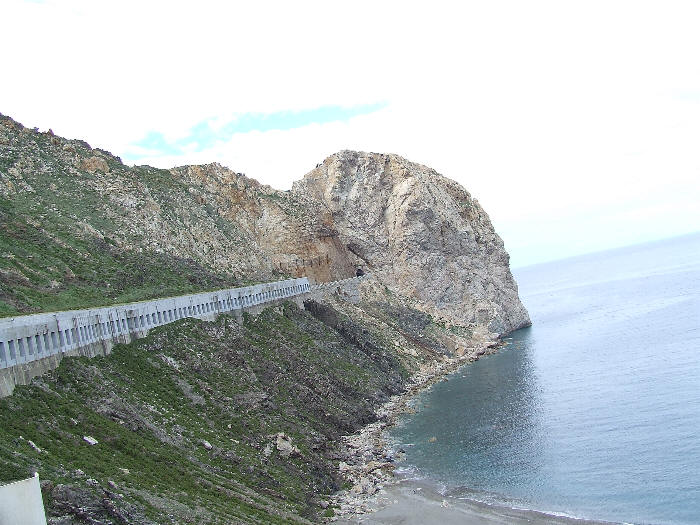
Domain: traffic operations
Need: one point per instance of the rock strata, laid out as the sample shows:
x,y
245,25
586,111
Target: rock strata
x,y
422,235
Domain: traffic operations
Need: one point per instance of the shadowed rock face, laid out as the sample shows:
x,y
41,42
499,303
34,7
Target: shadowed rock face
x,y
289,233
422,235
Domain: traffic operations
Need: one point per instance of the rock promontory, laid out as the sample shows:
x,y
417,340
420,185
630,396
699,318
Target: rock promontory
x,y
421,234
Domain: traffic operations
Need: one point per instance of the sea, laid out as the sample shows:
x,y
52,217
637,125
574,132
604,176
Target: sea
x,y
594,411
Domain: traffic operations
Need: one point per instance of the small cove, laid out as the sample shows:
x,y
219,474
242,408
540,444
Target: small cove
x,y
594,411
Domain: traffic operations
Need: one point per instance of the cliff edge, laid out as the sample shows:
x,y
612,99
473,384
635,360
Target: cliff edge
x,y
235,419
420,234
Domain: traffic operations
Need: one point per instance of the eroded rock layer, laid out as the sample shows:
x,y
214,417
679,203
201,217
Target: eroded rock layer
x,y
421,234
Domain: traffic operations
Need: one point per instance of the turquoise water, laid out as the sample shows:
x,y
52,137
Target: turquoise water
x,y
594,411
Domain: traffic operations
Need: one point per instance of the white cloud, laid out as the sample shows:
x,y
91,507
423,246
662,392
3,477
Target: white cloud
x,y
575,124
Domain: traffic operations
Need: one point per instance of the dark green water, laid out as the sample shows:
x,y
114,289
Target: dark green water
x,y
595,410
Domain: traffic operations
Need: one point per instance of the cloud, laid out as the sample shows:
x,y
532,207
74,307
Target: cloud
x,y
207,133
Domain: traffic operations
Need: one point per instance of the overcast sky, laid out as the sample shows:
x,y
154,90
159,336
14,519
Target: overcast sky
x,y
575,124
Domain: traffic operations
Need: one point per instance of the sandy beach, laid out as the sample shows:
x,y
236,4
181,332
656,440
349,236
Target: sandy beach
x,y
411,502
367,459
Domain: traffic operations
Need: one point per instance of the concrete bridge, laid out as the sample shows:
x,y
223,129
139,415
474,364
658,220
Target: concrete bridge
x,y
30,345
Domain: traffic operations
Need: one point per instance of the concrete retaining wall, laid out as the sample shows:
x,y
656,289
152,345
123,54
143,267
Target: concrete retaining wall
x,y
21,503
32,344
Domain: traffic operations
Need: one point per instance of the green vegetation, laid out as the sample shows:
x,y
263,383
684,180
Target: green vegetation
x,y
70,235
188,420
43,270
151,405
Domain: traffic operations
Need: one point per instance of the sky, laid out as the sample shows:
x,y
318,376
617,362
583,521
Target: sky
x,y
575,124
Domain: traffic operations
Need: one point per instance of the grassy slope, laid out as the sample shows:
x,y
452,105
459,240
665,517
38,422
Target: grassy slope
x,y
49,269
150,404
49,262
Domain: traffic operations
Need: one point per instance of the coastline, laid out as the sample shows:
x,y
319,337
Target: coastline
x,y
376,495
412,502
367,462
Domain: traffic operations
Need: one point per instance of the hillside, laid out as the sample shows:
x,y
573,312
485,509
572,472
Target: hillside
x,y
79,228
215,422
228,421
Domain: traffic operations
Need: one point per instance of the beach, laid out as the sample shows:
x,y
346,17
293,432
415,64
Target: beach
x,y
411,502
368,461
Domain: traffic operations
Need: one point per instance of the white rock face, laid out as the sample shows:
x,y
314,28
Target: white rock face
x,y
285,447
422,235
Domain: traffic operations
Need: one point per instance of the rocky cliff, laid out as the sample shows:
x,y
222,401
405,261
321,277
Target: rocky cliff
x,y
80,228
230,421
421,234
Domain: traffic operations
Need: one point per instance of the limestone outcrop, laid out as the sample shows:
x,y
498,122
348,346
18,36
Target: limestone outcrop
x,y
420,234
285,232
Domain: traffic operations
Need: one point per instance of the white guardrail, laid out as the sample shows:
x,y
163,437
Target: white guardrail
x,y
27,338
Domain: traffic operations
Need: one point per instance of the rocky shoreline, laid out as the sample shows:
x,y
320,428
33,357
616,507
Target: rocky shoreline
x,y
367,462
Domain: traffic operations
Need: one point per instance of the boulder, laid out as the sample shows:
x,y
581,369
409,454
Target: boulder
x,y
285,447
93,164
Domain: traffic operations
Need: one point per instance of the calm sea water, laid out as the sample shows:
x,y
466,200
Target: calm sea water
x,y
594,411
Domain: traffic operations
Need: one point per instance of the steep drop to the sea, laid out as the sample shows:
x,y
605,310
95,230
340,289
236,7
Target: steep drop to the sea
x,y
182,417
595,410
422,235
